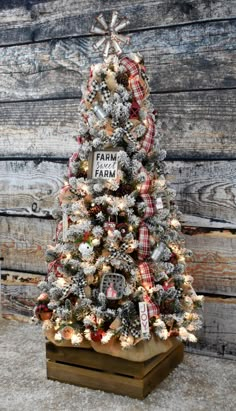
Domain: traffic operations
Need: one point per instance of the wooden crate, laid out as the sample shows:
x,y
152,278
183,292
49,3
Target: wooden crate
x,y
87,368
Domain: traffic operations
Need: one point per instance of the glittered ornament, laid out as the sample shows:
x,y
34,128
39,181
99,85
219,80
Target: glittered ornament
x,y
86,250
97,335
166,285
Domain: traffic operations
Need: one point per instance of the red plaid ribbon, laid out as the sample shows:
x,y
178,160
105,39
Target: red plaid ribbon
x,y
137,89
153,309
134,73
147,183
147,282
148,140
130,65
146,277
150,207
144,246
71,160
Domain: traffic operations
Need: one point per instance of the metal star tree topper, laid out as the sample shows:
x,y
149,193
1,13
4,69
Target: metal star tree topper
x,y
111,40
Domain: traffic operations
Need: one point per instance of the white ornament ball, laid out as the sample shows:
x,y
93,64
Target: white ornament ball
x,y
86,250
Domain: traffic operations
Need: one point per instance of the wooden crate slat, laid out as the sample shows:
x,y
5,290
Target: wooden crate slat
x,y
158,374
94,379
92,359
111,374
95,360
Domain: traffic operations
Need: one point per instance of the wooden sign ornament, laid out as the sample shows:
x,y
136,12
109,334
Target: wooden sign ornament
x,y
103,164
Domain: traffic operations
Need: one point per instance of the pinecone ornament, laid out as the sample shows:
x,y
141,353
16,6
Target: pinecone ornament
x,y
81,173
94,210
124,189
123,78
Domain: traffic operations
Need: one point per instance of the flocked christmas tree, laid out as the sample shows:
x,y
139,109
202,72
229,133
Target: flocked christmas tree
x,y
119,255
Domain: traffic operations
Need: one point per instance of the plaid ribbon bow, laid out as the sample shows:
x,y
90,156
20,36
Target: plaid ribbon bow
x,y
134,73
148,139
131,66
147,283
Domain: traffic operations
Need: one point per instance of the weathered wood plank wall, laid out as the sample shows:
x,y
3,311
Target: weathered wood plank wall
x,y
190,52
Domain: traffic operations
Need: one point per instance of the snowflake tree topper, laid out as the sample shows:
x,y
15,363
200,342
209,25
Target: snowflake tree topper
x,y
111,40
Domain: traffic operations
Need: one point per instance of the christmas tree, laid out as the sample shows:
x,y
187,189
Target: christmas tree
x,y
117,269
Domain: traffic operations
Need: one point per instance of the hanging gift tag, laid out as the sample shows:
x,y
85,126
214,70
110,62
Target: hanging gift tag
x,y
143,315
64,226
159,203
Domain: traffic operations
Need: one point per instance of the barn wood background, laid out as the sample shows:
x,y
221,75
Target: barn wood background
x,y
189,49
